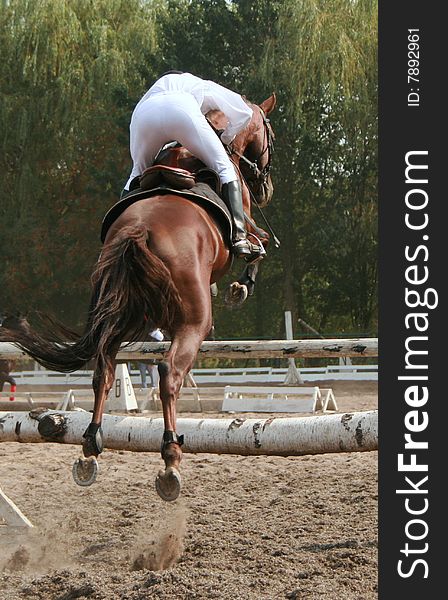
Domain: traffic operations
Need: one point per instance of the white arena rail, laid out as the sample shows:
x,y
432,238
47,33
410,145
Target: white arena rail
x,y
277,375
217,376
46,377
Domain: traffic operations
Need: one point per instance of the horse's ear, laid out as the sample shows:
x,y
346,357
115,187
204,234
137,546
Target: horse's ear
x,y
268,105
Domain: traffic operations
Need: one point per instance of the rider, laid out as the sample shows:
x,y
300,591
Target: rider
x,y
173,109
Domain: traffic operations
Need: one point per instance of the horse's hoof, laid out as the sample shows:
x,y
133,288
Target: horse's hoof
x,y
85,471
168,484
236,294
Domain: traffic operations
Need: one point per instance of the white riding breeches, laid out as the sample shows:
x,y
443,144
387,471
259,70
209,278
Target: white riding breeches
x,y
170,116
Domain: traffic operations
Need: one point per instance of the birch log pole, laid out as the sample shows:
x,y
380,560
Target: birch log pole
x,y
348,432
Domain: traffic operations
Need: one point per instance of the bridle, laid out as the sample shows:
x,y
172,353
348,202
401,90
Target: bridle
x,y
258,175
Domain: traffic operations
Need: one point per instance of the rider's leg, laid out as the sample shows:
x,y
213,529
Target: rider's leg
x,y
146,137
192,130
232,196
165,117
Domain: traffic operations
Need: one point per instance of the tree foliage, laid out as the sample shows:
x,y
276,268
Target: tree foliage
x,y
322,57
71,73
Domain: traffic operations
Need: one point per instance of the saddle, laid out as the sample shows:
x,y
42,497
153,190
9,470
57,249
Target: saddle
x,y
162,174
197,183
178,178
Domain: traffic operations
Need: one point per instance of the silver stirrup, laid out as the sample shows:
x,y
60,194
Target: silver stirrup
x,y
259,246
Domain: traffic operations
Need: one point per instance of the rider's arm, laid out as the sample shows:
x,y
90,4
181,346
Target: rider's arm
x,y
232,105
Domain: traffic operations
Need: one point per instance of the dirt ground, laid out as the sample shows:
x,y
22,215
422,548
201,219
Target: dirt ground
x,y
249,528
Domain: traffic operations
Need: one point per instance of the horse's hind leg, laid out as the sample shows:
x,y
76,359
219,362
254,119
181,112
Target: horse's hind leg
x,y
183,351
85,468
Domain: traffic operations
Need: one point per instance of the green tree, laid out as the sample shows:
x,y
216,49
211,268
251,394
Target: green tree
x,y
71,71
71,74
323,61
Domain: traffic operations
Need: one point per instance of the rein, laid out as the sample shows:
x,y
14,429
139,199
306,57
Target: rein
x,y
255,201
260,175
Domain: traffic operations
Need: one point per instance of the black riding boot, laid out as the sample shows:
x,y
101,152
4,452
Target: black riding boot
x,y
232,196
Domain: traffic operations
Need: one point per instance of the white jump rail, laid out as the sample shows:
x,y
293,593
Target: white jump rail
x,y
11,514
83,399
61,399
240,349
348,432
286,399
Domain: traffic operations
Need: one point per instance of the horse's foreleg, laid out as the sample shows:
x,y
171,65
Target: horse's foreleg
x,y
239,290
249,275
85,468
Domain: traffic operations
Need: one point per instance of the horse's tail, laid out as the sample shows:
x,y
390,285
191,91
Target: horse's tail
x,y
133,292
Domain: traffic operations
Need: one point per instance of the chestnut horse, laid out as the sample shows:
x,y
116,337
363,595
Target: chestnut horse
x,y
155,269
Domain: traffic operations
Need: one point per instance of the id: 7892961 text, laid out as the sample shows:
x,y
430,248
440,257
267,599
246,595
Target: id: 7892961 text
x,y
414,67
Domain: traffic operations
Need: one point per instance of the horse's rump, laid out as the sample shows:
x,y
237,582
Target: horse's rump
x,y
133,288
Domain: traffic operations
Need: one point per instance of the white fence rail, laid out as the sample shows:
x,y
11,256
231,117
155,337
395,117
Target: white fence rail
x,y
217,376
277,375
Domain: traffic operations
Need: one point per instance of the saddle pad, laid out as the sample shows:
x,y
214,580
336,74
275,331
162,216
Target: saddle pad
x,y
200,194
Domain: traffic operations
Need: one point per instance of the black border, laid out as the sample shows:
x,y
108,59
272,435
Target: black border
x,y
403,129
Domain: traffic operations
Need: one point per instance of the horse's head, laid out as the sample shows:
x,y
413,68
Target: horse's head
x,y
254,146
